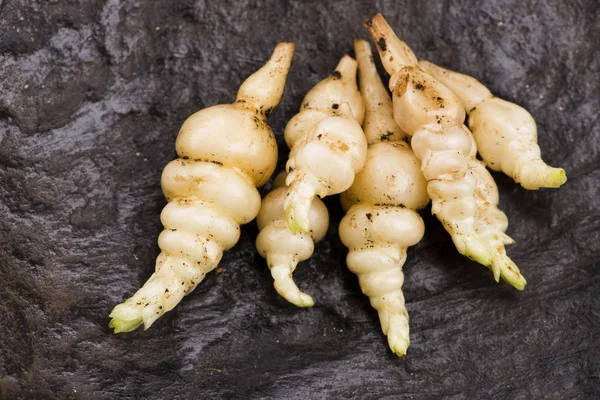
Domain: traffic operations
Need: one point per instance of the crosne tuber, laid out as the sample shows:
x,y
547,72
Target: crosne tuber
x,y
327,144
491,222
381,220
225,153
283,249
433,116
505,133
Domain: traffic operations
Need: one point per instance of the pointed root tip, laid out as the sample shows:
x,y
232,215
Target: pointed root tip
x,y
495,271
398,343
518,283
556,178
543,177
498,257
125,319
510,274
397,332
286,287
304,300
364,57
476,251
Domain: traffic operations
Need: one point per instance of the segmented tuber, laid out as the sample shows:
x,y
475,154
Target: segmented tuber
x,y
433,116
283,249
225,152
327,144
381,221
491,222
505,133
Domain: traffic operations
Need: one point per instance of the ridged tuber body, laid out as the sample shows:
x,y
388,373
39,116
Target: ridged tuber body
x,y
282,249
327,144
506,134
225,153
433,116
381,220
491,223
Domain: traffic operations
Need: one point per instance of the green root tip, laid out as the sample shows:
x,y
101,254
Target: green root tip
x,y
398,333
556,178
518,282
475,251
124,319
398,345
120,325
304,301
510,274
542,177
294,296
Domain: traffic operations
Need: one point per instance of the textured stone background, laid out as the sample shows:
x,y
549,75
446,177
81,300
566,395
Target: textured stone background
x,y
92,94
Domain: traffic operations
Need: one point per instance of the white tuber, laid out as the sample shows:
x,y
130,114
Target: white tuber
x,y
491,223
433,116
225,152
505,133
327,144
283,249
381,220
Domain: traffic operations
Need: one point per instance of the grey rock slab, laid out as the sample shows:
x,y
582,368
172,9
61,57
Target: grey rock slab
x,y
92,94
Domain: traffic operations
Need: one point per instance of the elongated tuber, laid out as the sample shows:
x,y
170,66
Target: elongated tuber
x,y
327,144
225,152
491,223
433,116
381,220
505,133
284,250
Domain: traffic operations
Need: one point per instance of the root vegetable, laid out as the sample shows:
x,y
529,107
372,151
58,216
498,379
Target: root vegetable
x,y
381,220
491,223
433,116
327,144
505,133
283,249
225,152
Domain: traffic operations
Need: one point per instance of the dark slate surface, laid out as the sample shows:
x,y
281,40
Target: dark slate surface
x,y
92,94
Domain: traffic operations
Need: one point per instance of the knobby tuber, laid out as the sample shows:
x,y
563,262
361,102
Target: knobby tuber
x,y
283,249
327,144
506,134
433,116
225,153
381,220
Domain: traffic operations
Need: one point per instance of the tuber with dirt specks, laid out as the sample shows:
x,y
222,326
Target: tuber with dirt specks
x,y
506,134
327,144
282,249
382,220
225,153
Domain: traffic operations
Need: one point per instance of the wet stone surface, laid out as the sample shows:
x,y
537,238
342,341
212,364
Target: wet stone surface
x,y
92,94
